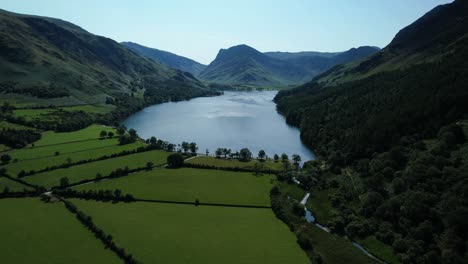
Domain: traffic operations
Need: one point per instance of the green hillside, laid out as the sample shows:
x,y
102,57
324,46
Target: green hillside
x,y
49,61
392,130
170,59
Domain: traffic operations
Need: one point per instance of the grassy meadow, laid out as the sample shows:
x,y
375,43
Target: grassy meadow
x,y
36,232
186,185
169,233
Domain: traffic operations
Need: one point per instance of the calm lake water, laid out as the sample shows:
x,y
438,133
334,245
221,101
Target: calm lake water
x,y
234,120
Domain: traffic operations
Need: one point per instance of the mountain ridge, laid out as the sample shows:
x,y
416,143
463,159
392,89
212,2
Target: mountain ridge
x,y
170,59
243,64
51,61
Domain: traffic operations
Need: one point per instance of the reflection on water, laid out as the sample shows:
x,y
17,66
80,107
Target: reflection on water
x,y
234,120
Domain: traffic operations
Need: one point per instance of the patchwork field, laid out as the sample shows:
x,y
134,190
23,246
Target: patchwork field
x,y
168,233
186,185
104,167
42,162
234,163
36,232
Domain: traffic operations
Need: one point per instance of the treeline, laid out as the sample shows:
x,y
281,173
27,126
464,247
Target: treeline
x,y
59,121
18,138
108,241
99,195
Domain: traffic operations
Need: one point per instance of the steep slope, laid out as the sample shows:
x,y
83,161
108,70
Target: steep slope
x,y
245,65
396,120
170,59
51,61
420,73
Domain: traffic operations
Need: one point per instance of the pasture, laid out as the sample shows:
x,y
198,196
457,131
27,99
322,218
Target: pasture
x,y
36,232
186,185
104,167
169,233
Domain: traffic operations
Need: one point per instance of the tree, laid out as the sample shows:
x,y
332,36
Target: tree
x,y
149,165
245,154
175,160
5,158
207,152
153,141
103,134
185,146
110,134
133,133
121,130
219,152
261,154
284,157
193,147
64,182
226,152
296,158
276,157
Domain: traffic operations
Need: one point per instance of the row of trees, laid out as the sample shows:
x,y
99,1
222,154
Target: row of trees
x,y
245,155
87,221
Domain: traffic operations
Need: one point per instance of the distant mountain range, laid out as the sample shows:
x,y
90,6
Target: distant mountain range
x,y
46,60
244,65
170,59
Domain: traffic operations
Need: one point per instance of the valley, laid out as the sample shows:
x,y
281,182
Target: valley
x,y
116,152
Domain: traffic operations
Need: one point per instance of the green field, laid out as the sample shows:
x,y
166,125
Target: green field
x,y
36,232
91,132
43,114
97,109
12,185
233,163
104,167
169,233
5,124
31,114
46,161
186,185
379,249
333,248
65,148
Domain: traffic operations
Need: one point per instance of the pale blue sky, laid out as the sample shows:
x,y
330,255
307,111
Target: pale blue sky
x,y
199,28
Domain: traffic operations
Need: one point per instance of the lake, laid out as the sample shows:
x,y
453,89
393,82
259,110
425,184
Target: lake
x,y
234,120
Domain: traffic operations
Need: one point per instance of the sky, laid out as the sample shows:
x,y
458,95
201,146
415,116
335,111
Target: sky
x,y
199,28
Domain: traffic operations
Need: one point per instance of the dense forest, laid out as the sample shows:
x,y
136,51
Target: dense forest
x,y
402,130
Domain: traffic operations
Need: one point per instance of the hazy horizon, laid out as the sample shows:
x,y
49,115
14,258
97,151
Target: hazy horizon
x,y
198,30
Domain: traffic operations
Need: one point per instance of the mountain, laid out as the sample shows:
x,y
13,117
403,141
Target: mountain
x,y
170,59
395,125
243,65
51,61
